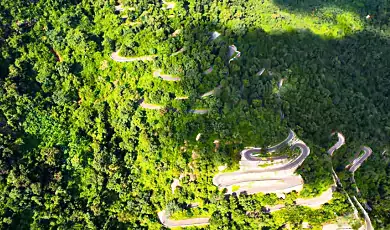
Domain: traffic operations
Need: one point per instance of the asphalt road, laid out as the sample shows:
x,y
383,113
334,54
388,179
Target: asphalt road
x,y
115,56
181,223
366,217
223,180
339,143
314,202
358,161
165,77
249,153
150,106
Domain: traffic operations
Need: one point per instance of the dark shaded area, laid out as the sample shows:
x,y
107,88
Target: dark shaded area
x,y
378,10
330,85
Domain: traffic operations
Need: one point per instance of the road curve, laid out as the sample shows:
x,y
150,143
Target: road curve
x,y
252,184
223,180
115,56
358,161
181,223
339,143
248,154
314,202
212,92
289,138
366,216
165,77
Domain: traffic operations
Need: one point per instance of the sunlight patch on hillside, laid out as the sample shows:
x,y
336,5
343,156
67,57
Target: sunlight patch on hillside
x,y
329,22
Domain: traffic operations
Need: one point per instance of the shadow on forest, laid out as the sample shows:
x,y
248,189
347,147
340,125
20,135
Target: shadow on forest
x,y
362,7
330,85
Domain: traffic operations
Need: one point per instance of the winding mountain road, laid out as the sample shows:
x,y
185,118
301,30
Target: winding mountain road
x,y
227,179
212,92
249,154
358,161
366,217
150,106
181,223
165,77
339,143
115,56
199,111
314,202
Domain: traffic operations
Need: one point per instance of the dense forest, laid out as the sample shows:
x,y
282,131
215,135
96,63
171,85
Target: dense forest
x,y
78,151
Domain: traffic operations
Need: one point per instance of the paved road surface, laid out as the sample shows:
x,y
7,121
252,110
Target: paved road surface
x,y
330,151
214,35
165,77
248,154
366,217
115,56
210,92
358,161
253,184
295,163
199,111
223,180
119,8
150,106
314,202
260,72
339,143
181,223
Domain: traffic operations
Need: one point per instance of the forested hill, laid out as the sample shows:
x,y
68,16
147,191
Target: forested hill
x,y
80,149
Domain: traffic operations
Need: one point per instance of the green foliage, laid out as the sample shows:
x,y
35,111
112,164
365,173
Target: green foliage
x,y
78,152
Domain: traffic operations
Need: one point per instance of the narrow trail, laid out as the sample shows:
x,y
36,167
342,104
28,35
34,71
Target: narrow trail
x,y
115,56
